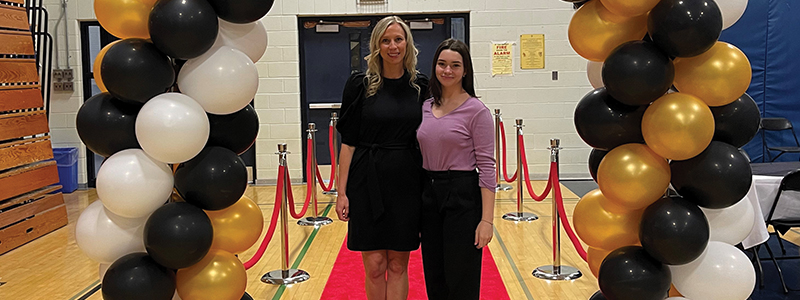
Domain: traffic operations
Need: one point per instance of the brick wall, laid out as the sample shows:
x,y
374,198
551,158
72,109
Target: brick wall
x,y
545,105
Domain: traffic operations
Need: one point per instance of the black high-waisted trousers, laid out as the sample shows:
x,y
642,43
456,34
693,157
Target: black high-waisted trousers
x,y
451,211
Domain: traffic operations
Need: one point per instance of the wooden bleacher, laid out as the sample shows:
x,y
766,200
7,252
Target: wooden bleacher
x,y
29,204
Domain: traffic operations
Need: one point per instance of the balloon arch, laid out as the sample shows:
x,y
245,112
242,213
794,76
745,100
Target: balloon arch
x,y
148,118
666,119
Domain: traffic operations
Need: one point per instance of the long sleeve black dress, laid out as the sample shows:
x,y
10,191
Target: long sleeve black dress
x,y
384,181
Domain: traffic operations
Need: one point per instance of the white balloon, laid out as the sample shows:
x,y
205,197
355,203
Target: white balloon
x,y
132,184
732,224
250,38
722,272
222,80
731,11
172,128
102,271
594,70
104,237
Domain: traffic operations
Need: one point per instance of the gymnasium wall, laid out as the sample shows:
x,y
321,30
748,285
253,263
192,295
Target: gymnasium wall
x,y
545,105
768,34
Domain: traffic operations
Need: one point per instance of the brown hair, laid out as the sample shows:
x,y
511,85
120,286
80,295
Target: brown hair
x,y
467,83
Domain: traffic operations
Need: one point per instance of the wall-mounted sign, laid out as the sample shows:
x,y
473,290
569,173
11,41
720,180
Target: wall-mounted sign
x,y
531,51
502,58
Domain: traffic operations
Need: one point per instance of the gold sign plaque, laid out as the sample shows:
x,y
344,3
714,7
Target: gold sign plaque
x,y
531,51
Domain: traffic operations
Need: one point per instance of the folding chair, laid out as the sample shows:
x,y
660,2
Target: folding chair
x,y
780,124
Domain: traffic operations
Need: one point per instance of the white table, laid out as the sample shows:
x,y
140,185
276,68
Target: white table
x,y
761,196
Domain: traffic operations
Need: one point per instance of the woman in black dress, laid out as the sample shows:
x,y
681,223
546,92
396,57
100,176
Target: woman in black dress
x,y
380,164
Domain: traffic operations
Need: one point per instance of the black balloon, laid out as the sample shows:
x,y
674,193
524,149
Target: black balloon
x,y
736,123
107,125
685,28
674,231
183,28
213,180
178,235
134,70
241,11
629,273
236,131
717,178
604,123
637,73
137,276
598,296
595,157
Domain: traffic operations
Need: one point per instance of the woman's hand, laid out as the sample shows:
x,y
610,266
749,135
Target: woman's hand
x,y
343,207
483,234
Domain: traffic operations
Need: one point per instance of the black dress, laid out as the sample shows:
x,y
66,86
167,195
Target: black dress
x,y
384,185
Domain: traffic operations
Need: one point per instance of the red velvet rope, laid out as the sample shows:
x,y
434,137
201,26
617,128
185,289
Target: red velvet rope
x,y
526,174
503,156
563,214
333,162
303,211
272,223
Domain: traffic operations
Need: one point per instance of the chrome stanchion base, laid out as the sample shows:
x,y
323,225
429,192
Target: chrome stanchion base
x,y
290,276
314,221
563,273
520,217
503,187
332,192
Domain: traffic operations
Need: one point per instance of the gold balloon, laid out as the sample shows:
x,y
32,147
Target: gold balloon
x,y
719,76
678,126
219,276
603,229
98,60
673,292
594,31
595,257
124,18
633,176
629,8
237,227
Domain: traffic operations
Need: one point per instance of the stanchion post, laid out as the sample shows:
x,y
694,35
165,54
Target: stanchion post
x,y
501,186
314,220
519,215
285,275
335,158
556,271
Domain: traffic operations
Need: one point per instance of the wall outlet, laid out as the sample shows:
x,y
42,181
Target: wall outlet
x,y
58,74
58,86
68,86
67,75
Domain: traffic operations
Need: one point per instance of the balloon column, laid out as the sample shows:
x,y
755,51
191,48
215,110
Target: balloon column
x,y
669,107
148,241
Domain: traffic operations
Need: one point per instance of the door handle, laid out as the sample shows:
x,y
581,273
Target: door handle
x,y
333,105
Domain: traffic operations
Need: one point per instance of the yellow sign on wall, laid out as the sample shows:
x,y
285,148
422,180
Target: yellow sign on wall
x,y
531,51
502,58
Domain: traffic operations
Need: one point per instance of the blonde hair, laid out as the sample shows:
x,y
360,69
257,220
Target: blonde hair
x,y
375,61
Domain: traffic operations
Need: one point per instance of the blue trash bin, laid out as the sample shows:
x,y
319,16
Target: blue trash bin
x,y
67,162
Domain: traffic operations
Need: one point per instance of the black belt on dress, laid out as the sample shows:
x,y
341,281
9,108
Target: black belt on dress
x,y
374,189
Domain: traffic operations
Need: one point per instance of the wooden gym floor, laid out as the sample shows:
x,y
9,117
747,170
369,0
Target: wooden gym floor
x,y
52,267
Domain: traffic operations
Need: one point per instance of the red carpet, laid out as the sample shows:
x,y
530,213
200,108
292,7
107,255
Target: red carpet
x,y
347,278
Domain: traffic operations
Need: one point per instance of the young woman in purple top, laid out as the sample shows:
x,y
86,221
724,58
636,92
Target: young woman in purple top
x,y
456,137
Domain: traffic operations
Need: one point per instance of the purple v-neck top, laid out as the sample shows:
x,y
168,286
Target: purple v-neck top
x,y
461,140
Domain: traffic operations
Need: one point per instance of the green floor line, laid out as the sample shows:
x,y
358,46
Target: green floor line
x,y
302,254
94,284
513,265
